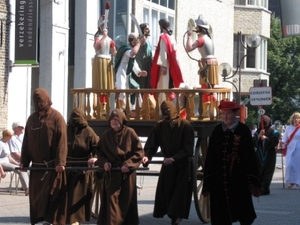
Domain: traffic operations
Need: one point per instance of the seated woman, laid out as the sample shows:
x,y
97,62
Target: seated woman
x,y
8,163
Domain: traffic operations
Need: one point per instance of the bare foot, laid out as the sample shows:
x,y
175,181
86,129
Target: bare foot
x,y
3,175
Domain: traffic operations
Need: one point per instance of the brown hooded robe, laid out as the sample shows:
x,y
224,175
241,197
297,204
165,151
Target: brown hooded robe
x,y
82,144
45,145
123,147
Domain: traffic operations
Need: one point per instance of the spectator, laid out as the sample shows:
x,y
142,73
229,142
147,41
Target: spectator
x,y
283,129
291,141
231,171
45,145
8,163
82,143
175,137
254,129
165,70
266,139
119,148
125,64
15,144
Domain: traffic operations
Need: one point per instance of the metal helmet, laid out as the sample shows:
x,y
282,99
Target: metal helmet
x,y
201,22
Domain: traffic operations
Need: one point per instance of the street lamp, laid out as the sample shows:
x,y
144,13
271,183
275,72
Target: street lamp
x,y
252,42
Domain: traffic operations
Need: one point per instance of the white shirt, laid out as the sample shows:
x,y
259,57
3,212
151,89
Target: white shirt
x,y
4,152
15,145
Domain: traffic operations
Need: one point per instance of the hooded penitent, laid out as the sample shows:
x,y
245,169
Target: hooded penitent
x,y
45,145
77,118
267,123
168,110
41,100
175,137
122,147
119,115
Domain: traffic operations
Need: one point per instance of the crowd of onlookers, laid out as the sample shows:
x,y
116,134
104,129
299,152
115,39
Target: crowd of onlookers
x,y
10,153
288,140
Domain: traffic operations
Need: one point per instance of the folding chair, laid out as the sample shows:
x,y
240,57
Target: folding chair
x,y
13,175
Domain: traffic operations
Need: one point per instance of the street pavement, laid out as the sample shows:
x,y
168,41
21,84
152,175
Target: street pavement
x,y
281,207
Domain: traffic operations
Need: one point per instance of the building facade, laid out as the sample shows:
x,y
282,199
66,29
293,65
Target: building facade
x,y
65,44
4,59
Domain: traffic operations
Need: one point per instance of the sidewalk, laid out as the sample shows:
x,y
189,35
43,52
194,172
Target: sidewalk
x,y
281,207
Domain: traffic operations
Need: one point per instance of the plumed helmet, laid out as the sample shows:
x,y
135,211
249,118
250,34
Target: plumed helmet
x,y
201,22
101,20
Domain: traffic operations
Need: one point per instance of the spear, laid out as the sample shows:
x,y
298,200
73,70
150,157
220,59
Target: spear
x,y
107,6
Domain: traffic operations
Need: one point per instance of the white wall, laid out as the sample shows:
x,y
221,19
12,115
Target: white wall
x,y
19,83
19,96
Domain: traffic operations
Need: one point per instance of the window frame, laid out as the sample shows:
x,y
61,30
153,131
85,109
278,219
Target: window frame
x,y
161,12
259,58
251,3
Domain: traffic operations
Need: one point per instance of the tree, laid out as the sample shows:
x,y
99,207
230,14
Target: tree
x,y
284,68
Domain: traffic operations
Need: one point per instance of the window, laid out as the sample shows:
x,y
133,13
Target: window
x,y
156,10
251,2
261,3
250,59
121,23
253,60
240,2
166,3
236,51
263,54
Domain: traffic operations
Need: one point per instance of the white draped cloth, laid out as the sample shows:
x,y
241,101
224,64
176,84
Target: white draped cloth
x,y
292,161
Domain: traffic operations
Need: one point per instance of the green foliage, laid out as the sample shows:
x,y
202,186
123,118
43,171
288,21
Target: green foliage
x,y
284,68
252,116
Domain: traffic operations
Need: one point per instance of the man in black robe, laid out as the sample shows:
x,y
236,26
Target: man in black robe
x,y
175,137
231,171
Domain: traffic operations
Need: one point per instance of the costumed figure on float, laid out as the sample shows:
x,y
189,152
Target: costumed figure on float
x,y
208,64
165,70
102,68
